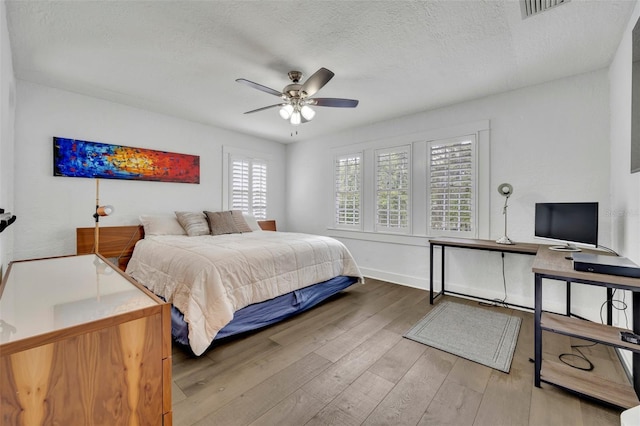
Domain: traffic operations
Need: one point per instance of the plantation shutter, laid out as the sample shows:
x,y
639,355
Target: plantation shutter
x,y
348,190
249,186
452,187
392,189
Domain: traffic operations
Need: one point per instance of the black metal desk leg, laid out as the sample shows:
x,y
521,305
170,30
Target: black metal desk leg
x,y
442,272
538,329
609,306
568,298
431,274
636,329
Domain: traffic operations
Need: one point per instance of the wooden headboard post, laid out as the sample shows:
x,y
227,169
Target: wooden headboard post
x,y
115,241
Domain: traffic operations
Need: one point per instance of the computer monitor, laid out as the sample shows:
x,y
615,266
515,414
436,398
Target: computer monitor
x,y
567,222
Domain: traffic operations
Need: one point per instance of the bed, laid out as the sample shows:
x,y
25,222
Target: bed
x,y
222,285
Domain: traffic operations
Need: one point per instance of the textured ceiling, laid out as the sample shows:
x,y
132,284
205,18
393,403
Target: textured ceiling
x,y
397,57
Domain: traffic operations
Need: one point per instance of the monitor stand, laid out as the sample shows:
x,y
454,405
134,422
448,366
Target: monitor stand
x,y
567,247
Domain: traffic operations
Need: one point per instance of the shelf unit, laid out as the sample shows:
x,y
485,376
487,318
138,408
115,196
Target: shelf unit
x,y
587,383
553,265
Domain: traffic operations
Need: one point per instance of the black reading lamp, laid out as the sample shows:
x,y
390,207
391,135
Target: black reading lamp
x,y
505,190
100,211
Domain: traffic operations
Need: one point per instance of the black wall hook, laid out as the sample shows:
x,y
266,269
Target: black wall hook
x,y
6,219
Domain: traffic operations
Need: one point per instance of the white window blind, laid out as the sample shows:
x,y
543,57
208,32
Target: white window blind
x,y
249,186
348,190
452,180
392,189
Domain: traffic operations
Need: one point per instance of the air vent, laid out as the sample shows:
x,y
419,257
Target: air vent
x,y
534,7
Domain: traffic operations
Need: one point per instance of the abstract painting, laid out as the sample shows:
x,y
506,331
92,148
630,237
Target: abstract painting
x,y
77,158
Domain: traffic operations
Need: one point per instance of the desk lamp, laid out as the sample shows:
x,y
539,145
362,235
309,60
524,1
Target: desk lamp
x,y
505,190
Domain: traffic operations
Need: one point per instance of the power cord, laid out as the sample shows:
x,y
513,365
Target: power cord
x,y
499,302
580,355
621,307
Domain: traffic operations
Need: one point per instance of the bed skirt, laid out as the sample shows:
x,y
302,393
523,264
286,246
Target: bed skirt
x,y
268,312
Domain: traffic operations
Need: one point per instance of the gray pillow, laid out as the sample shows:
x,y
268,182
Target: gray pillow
x,y
240,222
221,223
195,223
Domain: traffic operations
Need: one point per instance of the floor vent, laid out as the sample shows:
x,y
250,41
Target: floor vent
x,y
534,7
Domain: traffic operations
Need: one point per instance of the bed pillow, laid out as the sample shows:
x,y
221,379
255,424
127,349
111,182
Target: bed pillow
x,y
251,222
221,223
195,223
239,221
161,225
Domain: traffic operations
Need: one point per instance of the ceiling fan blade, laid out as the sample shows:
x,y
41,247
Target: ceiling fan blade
x,y
263,108
259,87
316,82
334,102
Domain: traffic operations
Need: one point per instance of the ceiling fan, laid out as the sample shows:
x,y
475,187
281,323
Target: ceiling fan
x,y
296,98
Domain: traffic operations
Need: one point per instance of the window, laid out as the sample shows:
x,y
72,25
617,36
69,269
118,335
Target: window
x,y
405,189
392,189
348,190
248,181
451,186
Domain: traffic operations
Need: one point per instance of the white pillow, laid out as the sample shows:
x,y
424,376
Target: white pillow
x,y
161,225
252,222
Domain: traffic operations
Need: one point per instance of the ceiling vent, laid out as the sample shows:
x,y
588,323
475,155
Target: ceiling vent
x,y
534,7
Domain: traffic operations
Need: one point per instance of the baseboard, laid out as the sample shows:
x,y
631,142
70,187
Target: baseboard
x,y
406,280
469,292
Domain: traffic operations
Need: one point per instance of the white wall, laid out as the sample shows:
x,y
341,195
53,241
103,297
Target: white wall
x,y
625,187
51,208
549,141
7,112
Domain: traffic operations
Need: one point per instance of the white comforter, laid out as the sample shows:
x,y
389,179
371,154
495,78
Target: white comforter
x,y
208,278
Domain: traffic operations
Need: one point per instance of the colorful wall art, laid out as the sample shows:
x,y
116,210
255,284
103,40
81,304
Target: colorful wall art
x,y
76,158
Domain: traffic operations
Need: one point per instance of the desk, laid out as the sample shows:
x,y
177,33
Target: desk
x,y
552,265
487,245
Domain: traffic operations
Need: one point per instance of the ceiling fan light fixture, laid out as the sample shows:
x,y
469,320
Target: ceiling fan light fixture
x,y
286,111
295,118
307,112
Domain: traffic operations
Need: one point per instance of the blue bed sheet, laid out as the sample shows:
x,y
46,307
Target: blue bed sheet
x,y
268,312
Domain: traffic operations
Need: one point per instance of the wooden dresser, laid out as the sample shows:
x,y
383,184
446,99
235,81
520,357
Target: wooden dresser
x,y
80,343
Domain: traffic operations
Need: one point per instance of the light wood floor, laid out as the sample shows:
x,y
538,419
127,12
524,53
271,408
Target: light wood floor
x,y
346,363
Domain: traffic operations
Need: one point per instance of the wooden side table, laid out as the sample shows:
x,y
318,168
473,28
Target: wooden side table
x,y
267,225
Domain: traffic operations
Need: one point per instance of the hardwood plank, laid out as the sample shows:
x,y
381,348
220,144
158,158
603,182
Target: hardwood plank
x,y
409,399
296,409
470,374
454,404
356,402
397,361
507,398
341,374
340,346
261,398
552,406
